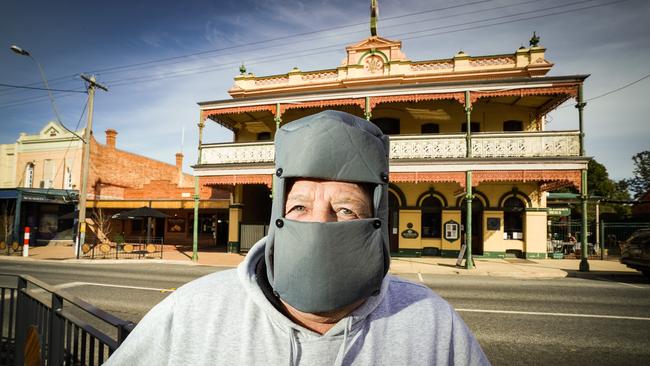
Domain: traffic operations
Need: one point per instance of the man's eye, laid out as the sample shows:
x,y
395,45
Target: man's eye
x,y
346,211
296,208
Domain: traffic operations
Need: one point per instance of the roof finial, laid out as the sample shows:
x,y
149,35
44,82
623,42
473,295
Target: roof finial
x,y
534,40
374,12
242,69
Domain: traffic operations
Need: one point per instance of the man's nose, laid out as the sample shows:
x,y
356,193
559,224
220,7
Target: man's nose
x,y
323,215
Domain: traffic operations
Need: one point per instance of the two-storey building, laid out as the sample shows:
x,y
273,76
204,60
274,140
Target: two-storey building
x,y
465,127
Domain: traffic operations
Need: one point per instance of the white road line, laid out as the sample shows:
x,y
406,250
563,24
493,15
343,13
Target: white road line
x,y
553,314
420,277
631,285
75,284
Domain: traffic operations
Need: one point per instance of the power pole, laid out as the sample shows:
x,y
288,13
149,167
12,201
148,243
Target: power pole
x,y
81,233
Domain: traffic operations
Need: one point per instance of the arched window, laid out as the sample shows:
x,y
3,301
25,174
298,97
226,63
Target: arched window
x,y
29,175
513,218
431,217
430,128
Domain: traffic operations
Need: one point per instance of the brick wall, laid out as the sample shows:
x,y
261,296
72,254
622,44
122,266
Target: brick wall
x,y
117,174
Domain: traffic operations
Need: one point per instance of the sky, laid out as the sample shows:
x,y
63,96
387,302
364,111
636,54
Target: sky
x,y
160,58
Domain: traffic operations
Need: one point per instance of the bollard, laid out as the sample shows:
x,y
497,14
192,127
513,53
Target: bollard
x,y
26,242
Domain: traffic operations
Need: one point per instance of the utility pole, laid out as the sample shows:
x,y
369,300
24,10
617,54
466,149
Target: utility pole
x,y
81,234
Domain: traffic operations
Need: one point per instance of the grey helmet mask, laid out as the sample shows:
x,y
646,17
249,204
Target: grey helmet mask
x,y
319,267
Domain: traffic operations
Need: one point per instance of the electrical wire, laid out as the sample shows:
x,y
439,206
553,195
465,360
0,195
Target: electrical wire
x,y
33,88
145,78
146,63
202,69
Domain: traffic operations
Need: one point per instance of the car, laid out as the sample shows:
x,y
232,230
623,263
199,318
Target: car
x,y
635,251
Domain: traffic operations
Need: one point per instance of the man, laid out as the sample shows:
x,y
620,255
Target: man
x,y
316,290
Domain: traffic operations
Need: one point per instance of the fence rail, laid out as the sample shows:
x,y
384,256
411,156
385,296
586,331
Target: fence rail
x,y
134,248
39,324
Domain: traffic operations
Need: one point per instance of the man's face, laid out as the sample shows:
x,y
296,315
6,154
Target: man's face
x,y
327,201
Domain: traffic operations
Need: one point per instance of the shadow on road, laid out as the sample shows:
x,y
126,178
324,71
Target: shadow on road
x,y
622,277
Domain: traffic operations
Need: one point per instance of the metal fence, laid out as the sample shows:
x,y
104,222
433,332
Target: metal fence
x,y
133,248
614,233
602,239
40,325
249,234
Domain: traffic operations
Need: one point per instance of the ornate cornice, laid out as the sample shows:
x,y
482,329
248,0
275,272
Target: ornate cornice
x,y
571,90
374,101
232,180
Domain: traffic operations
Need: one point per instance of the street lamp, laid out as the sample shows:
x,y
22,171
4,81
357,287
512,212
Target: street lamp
x,y
92,84
23,52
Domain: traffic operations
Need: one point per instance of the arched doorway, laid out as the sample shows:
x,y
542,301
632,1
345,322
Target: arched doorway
x,y
393,222
477,224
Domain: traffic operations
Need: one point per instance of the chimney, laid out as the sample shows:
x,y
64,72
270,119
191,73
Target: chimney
x,y
179,161
110,138
179,166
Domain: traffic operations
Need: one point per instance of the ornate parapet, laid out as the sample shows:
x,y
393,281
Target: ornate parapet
x,y
238,153
378,60
526,145
427,147
420,148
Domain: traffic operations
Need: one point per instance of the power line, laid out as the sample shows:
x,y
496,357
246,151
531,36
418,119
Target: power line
x,y
145,78
337,46
618,89
34,88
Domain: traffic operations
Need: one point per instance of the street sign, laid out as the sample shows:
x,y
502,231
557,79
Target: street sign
x,y
559,211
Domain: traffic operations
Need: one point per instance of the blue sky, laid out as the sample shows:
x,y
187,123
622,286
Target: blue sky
x,y
151,101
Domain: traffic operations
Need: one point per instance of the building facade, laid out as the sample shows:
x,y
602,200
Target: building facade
x,y
41,175
466,128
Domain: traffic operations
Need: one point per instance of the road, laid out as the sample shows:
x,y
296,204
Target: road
x,y
594,319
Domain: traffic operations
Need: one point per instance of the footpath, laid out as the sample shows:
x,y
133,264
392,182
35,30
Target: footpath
x,y
508,267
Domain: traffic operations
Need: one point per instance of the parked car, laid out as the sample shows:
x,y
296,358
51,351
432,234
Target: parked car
x,y
635,251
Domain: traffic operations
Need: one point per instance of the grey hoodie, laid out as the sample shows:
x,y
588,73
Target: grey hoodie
x,y
225,319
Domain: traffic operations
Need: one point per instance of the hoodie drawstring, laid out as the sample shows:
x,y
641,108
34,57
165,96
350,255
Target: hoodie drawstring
x,y
343,349
293,349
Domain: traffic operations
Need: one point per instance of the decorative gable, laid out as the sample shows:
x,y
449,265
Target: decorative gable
x,y
379,50
51,129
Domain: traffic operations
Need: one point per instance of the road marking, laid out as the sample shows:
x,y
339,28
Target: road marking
x,y
75,284
553,314
420,277
631,285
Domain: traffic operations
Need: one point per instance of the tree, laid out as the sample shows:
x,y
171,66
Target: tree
x,y
639,184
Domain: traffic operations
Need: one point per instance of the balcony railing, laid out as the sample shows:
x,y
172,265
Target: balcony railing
x,y
421,147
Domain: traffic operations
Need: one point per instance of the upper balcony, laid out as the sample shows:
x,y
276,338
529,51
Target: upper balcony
x,y
419,148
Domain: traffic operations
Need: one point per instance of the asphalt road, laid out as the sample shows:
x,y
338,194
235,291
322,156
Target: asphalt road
x,y
591,320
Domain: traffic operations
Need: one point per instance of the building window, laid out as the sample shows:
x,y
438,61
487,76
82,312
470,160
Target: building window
x,y
513,218
67,179
430,128
475,126
513,126
263,136
389,126
431,217
29,175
